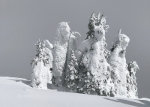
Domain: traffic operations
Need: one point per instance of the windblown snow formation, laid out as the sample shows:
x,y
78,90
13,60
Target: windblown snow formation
x,y
89,68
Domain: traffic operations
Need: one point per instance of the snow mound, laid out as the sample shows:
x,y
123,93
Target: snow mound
x,y
16,92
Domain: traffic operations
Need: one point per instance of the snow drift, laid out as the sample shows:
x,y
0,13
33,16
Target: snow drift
x,y
16,92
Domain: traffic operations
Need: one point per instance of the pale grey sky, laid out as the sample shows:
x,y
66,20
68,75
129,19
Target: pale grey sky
x,y
23,22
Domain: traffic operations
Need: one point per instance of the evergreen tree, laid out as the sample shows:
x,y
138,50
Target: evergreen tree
x,y
71,74
85,80
94,77
132,91
42,65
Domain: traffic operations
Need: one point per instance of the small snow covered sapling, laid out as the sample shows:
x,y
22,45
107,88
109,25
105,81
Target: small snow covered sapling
x,y
131,80
42,65
71,74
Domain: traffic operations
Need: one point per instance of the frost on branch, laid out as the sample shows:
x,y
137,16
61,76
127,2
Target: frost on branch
x,y
42,65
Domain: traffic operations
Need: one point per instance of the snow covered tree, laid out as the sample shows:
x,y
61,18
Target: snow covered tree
x,y
42,65
65,43
131,80
95,76
89,68
118,63
71,74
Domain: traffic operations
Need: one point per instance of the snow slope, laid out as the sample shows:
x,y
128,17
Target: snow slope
x,y
16,92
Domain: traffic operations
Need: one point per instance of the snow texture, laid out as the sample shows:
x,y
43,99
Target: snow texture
x,y
22,95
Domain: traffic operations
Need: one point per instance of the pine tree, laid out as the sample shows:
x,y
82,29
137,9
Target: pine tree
x,y
94,82
85,80
42,65
71,74
65,42
131,80
94,77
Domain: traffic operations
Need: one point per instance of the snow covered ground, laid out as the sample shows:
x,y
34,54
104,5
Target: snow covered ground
x,y
16,92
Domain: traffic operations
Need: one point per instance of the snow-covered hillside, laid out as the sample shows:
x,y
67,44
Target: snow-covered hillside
x,y
16,92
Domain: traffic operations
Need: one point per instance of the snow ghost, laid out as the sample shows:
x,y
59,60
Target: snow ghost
x,y
131,80
95,42
118,62
93,58
97,29
42,65
66,41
